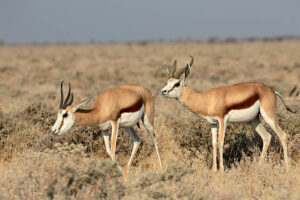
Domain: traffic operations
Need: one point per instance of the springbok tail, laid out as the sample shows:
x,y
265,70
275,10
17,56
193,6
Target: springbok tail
x,y
287,108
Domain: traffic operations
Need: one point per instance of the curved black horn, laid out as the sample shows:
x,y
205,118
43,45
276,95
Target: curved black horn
x,y
61,95
68,96
175,64
71,100
167,70
192,60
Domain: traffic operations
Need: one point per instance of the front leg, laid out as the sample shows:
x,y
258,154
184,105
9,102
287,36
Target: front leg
x,y
106,141
222,129
114,136
214,133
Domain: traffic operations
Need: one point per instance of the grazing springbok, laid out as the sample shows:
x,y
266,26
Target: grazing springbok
x,y
123,106
241,102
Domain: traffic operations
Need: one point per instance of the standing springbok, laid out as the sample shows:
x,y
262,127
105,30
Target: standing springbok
x,y
241,102
123,106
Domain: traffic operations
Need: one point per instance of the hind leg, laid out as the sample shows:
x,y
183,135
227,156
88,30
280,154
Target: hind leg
x,y
222,130
281,134
136,143
150,130
265,136
283,139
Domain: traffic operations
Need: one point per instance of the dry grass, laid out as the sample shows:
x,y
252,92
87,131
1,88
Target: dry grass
x,y
37,165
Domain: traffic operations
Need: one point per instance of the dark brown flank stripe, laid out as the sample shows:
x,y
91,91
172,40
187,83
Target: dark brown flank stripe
x,y
244,104
81,110
133,108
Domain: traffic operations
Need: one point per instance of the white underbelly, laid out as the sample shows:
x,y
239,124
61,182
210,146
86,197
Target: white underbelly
x,y
132,118
126,120
244,115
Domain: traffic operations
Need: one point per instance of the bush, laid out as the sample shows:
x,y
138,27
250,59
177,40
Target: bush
x,y
63,172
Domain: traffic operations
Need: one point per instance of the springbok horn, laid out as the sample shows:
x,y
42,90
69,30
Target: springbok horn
x,y
61,95
187,70
173,70
167,70
192,60
71,100
182,70
68,96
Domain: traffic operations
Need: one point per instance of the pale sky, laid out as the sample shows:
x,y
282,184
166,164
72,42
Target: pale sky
x,y
25,21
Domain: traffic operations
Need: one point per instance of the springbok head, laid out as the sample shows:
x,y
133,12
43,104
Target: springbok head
x,y
176,80
65,116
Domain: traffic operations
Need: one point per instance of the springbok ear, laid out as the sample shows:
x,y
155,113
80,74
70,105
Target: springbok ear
x,y
185,74
75,108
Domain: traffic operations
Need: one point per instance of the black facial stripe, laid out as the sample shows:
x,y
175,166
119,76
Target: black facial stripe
x,y
175,85
62,123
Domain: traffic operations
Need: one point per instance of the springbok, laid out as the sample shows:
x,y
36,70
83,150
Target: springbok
x,y
241,102
123,106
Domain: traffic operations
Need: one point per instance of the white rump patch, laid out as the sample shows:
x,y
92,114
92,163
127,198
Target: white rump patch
x,y
267,119
244,115
148,125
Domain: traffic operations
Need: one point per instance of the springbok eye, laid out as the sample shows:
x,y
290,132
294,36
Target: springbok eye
x,y
177,84
65,115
